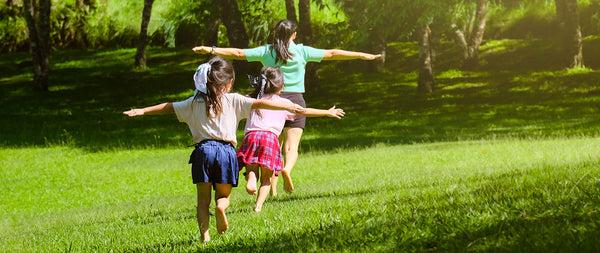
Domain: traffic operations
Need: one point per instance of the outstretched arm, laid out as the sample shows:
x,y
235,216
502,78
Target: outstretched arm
x,y
332,112
151,110
338,54
231,53
272,105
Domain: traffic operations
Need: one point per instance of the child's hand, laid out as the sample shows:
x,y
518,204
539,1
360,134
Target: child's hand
x,y
336,112
297,109
201,50
370,57
134,112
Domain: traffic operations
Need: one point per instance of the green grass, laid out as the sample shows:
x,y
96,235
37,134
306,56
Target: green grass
x,y
503,158
481,195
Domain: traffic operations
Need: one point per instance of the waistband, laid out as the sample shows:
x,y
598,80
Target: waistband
x,y
209,141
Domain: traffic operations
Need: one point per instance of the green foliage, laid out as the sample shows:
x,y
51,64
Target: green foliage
x,y
13,31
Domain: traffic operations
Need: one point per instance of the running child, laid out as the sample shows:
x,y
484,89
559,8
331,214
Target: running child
x,y
260,152
212,116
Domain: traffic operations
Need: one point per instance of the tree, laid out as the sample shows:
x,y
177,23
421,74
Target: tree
x,y
83,10
290,10
37,16
304,25
140,56
389,20
470,42
231,17
567,14
425,82
212,25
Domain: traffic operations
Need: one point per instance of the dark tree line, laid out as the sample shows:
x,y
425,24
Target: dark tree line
x,y
381,18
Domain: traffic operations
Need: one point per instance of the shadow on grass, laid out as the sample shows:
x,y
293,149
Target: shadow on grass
x,y
508,97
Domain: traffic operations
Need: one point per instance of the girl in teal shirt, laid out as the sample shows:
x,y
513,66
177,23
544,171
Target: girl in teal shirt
x,y
291,58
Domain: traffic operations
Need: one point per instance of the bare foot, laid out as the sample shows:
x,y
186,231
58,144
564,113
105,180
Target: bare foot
x,y
205,237
222,223
257,209
288,185
251,183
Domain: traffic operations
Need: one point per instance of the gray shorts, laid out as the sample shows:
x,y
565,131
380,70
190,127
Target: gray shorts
x,y
296,98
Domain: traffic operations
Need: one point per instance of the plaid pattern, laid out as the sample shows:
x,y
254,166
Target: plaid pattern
x,y
262,148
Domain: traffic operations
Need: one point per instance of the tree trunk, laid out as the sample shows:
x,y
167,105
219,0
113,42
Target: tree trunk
x,y
290,10
304,26
426,82
305,37
232,19
211,35
140,56
476,37
461,40
568,17
38,24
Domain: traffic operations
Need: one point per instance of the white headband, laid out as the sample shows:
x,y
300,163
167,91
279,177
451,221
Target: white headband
x,y
201,77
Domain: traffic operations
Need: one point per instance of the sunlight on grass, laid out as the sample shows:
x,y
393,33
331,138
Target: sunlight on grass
x,y
464,86
502,46
143,199
577,71
451,73
16,78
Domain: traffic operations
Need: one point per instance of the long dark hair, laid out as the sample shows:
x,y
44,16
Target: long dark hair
x,y
280,39
221,72
273,79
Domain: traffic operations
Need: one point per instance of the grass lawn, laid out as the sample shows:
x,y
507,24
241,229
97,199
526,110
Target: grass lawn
x,y
503,158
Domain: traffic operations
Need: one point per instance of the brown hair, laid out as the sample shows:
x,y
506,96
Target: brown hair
x,y
220,74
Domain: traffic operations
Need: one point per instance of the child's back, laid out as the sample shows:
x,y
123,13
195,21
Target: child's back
x,y
269,120
235,107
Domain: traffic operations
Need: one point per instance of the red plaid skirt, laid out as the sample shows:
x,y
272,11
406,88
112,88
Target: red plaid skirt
x,y
261,148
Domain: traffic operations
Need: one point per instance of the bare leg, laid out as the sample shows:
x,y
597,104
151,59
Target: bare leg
x,y
222,199
265,185
273,185
251,179
292,141
203,191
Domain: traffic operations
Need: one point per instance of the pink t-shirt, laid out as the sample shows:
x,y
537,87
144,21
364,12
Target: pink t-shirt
x,y
269,120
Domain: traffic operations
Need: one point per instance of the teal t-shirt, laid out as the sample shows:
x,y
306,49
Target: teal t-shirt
x,y
293,71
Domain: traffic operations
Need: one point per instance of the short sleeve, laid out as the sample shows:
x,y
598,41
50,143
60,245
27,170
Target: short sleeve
x,y
242,105
288,115
255,54
183,109
312,54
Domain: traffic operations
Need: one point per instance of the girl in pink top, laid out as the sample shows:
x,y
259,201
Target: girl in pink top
x,y
260,151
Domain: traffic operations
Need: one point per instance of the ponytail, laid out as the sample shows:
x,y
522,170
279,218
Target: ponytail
x,y
280,40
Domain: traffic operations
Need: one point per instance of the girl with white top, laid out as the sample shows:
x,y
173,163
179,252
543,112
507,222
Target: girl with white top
x,y
212,116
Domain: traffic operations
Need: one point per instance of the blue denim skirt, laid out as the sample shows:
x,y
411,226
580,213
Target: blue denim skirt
x,y
214,161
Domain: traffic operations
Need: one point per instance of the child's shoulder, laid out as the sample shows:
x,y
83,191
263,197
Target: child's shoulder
x,y
236,97
278,98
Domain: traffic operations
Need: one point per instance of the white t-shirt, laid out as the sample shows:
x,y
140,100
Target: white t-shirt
x,y
193,112
269,120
